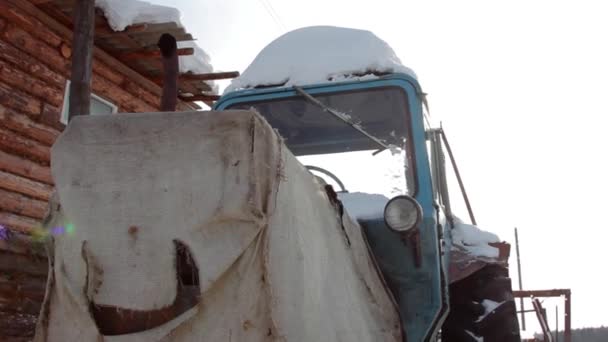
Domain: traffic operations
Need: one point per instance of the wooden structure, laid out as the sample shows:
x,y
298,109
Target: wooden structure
x,y
35,54
534,294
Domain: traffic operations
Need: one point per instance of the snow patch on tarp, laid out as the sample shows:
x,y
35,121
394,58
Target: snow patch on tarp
x,y
360,205
474,240
122,13
320,54
489,307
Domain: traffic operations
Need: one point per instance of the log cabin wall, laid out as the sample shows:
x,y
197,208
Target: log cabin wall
x,y
34,68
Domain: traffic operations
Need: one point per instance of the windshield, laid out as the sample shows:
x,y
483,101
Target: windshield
x,y
320,139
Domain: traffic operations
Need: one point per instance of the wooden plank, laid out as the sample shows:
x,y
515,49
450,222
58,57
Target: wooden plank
x,y
103,31
64,32
17,223
82,58
23,124
202,98
10,262
22,205
30,24
30,65
209,76
19,100
153,54
15,144
29,84
25,168
11,182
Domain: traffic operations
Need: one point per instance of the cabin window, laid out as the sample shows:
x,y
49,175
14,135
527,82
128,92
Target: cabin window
x,y
99,105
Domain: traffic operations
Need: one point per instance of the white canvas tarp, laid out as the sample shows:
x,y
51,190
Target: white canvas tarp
x,y
274,261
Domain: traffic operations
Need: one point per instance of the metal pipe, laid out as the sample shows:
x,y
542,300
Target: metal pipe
x,y
168,49
521,299
460,182
82,58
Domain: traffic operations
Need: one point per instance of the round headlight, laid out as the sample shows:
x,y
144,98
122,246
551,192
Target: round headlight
x,y
402,213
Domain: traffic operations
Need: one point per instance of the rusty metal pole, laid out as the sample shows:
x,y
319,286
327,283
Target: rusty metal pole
x,y
521,299
168,49
82,58
568,319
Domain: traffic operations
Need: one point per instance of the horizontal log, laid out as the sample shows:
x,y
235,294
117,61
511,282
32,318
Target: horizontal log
x,y
14,143
29,23
51,116
109,90
20,285
25,168
32,66
23,124
107,72
22,205
26,83
16,223
25,186
141,93
104,31
153,54
103,56
202,98
19,100
20,243
19,304
48,55
17,327
34,265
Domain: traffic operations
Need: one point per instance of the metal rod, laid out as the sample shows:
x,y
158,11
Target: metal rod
x,y
82,58
340,116
568,319
460,182
556,325
521,299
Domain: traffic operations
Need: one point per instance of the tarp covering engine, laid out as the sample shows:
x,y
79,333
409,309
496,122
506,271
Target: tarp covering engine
x,y
272,258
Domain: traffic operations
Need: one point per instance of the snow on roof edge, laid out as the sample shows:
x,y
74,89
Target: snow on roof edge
x,y
123,13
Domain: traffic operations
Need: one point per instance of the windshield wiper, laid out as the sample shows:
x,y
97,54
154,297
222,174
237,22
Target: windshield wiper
x,y
343,117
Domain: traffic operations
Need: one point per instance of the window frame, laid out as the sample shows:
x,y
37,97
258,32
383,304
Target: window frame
x,y
63,118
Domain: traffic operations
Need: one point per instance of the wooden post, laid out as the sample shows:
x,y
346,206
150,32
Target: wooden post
x,y
168,49
521,300
82,58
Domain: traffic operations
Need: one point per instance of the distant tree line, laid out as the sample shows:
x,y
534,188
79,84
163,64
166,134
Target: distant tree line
x,y
585,335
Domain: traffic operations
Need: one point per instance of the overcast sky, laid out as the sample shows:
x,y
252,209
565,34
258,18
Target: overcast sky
x,y
519,87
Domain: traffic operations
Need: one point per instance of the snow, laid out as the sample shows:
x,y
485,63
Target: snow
x,y
489,306
123,13
474,240
320,54
360,205
475,337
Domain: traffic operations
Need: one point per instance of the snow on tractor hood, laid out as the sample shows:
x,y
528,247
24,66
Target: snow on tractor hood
x,y
320,54
195,226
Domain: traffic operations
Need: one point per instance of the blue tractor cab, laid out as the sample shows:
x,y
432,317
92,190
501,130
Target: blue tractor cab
x,y
356,132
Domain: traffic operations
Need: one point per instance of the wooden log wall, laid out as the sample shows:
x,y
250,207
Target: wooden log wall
x,y
35,57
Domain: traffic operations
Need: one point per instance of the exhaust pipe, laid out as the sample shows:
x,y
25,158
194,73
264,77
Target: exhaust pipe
x,y
168,49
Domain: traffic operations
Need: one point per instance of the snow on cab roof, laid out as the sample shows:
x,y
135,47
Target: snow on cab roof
x,y
319,54
123,13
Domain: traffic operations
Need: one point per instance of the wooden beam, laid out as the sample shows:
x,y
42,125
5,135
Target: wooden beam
x,y
82,58
22,205
153,54
25,168
25,186
106,31
23,124
202,98
103,56
10,262
17,223
15,143
202,77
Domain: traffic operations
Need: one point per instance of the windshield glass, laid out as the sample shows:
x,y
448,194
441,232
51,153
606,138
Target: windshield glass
x,y
320,139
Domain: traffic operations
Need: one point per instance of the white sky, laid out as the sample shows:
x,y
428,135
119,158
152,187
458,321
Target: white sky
x,y
519,87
